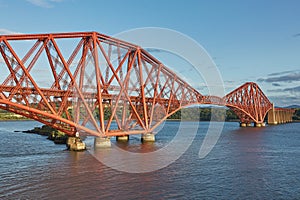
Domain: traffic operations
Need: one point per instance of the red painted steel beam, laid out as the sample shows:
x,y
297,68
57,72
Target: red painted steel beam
x,y
138,89
249,103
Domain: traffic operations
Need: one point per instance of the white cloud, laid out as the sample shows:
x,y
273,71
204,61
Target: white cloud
x,y
7,32
44,3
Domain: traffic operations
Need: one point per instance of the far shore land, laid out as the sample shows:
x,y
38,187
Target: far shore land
x,y
189,115
27,119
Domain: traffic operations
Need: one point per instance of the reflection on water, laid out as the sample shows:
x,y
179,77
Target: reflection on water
x,y
246,163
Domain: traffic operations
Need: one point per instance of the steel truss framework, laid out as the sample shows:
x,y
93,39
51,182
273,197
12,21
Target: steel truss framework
x,y
247,101
71,81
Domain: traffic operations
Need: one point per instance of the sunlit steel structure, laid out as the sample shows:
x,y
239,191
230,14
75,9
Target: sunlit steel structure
x,y
69,81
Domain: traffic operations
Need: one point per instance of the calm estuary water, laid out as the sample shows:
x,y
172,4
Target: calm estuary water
x,y
246,163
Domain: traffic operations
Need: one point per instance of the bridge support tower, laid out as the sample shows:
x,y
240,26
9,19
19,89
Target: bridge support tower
x,y
244,124
123,138
280,115
102,142
260,124
75,144
272,116
148,137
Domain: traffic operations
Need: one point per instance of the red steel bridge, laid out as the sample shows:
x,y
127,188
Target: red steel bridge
x,y
70,81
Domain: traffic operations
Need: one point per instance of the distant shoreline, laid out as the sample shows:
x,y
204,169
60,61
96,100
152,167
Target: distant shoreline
x,y
27,119
190,114
12,119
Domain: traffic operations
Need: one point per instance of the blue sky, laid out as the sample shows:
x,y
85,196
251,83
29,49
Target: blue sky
x,y
249,40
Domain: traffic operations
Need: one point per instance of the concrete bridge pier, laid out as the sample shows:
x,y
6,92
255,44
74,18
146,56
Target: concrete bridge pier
x,y
75,144
249,124
260,124
280,116
102,142
148,137
244,124
272,117
123,138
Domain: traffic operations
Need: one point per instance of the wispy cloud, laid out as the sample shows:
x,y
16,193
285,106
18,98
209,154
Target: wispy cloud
x,y
7,32
287,76
280,73
153,50
44,3
284,87
276,84
285,100
292,90
296,35
229,81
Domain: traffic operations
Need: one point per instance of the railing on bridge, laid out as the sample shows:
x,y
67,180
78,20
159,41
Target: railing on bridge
x,y
70,81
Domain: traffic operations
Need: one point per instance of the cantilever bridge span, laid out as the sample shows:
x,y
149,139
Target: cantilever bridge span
x,y
71,81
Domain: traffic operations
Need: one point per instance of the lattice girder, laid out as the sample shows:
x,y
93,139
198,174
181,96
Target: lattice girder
x,y
92,83
249,103
96,74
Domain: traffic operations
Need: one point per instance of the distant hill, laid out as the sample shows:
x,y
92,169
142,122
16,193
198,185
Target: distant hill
x,y
293,106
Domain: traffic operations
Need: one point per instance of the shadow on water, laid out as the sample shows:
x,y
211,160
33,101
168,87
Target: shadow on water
x,y
246,163
134,144
249,141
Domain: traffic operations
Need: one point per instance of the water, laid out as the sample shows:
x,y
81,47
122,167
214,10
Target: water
x,y
246,163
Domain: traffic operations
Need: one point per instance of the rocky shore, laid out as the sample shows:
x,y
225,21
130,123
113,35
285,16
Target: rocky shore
x,y
52,134
58,137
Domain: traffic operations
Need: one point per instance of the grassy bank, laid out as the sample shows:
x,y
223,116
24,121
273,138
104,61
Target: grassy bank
x,y
7,116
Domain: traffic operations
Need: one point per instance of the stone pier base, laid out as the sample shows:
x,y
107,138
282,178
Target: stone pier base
x,y
123,138
75,144
148,137
102,142
260,124
242,124
273,123
257,124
